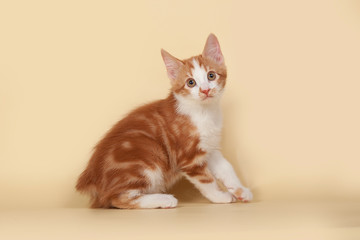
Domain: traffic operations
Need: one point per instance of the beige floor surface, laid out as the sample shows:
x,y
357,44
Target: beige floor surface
x,y
259,220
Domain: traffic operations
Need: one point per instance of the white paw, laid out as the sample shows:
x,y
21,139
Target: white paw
x,y
244,194
167,201
157,201
221,197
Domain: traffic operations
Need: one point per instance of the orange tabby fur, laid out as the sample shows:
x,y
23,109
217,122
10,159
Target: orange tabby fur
x,y
158,137
154,138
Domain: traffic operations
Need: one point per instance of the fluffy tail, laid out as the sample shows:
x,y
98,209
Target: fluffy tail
x,y
87,184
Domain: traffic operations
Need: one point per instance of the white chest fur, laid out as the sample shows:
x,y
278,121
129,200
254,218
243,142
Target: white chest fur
x,y
208,121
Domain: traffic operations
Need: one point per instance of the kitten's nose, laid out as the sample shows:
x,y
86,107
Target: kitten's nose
x,y
206,91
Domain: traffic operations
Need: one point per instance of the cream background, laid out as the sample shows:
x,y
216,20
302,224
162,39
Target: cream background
x,y
70,69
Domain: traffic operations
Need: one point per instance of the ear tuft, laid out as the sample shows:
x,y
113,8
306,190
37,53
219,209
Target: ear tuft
x,y
212,49
172,64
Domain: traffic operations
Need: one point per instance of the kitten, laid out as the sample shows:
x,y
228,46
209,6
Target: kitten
x,y
145,153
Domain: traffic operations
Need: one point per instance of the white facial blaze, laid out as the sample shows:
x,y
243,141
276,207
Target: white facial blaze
x,y
200,75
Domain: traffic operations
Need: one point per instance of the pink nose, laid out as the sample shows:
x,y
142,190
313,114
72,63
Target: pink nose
x,y
206,91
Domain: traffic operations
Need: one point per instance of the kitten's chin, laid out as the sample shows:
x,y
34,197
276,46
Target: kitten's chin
x,y
208,100
205,97
211,99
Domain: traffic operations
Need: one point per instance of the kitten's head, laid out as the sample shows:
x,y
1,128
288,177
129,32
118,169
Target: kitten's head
x,y
201,78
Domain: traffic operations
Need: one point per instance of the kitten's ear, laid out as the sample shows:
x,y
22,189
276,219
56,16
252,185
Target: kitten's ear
x,y
172,64
212,49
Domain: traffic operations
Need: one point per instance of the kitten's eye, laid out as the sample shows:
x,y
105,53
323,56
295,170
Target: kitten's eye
x,y
191,82
211,75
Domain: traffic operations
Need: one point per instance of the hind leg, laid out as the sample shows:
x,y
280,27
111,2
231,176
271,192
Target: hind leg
x,y
148,194
133,200
157,200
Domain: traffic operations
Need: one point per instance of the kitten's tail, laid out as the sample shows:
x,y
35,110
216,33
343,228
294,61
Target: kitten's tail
x,y
87,184
85,180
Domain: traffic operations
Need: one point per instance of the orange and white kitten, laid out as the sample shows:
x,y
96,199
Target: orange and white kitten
x,y
155,145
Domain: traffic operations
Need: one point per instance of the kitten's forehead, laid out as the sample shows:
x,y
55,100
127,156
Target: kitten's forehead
x,y
197,66
195,63
197,70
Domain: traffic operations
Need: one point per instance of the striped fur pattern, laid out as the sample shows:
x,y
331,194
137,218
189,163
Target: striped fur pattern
x,y
155,145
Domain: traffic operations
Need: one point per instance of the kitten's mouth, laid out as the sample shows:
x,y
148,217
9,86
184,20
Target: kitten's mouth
x,y
206,97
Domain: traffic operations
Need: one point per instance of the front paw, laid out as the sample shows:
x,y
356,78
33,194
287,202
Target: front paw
x,y
243,194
